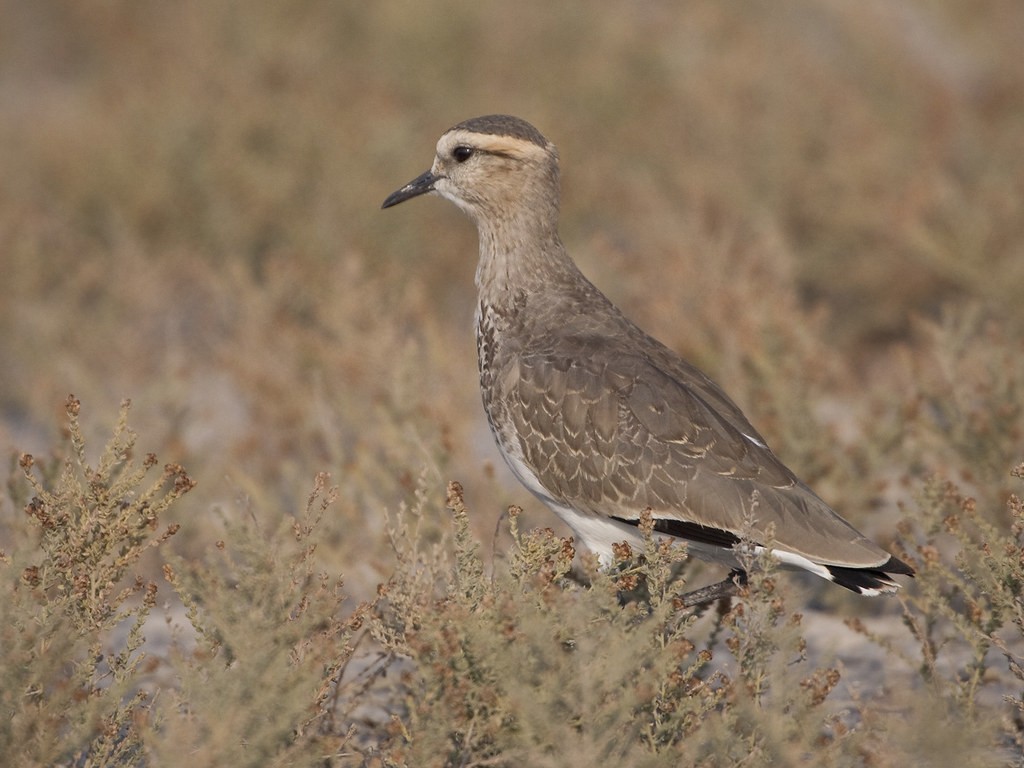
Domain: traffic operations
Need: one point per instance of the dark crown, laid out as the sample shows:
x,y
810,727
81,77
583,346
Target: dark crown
x,y
502,125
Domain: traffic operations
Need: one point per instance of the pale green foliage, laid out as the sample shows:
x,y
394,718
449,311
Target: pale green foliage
x,y
71,628
525,667
260,686
458,662
251,677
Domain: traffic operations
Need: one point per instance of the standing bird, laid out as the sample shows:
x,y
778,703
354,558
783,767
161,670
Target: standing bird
x,y
601,421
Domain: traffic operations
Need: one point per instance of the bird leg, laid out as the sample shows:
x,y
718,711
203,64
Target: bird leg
x,y
728,587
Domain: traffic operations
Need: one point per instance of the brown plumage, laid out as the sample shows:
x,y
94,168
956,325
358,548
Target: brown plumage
x,y
595,417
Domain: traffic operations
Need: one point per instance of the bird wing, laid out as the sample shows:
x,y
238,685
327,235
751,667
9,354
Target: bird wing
x,y
614,434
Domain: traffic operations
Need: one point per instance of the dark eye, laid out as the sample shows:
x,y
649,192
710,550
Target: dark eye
x,y
462,153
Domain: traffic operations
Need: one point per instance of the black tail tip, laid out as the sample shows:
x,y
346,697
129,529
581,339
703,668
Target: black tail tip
x,y
871,581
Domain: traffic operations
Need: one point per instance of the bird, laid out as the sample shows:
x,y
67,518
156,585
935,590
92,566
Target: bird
x,y
599,420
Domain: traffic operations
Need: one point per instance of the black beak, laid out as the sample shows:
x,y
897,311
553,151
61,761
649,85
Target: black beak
x,y
419,186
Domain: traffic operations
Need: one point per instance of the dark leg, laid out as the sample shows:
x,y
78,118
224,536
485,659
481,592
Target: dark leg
x,y
578,575
728,587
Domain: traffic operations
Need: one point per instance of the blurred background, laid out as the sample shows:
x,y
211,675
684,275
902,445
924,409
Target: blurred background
x,y
820,203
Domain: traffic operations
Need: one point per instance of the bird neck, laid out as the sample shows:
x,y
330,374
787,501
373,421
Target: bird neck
x,y
520,256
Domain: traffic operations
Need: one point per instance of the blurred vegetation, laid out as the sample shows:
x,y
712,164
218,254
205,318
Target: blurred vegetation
x,y
822,204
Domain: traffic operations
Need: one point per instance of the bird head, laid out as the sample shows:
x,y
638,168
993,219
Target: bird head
x,y
491,166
